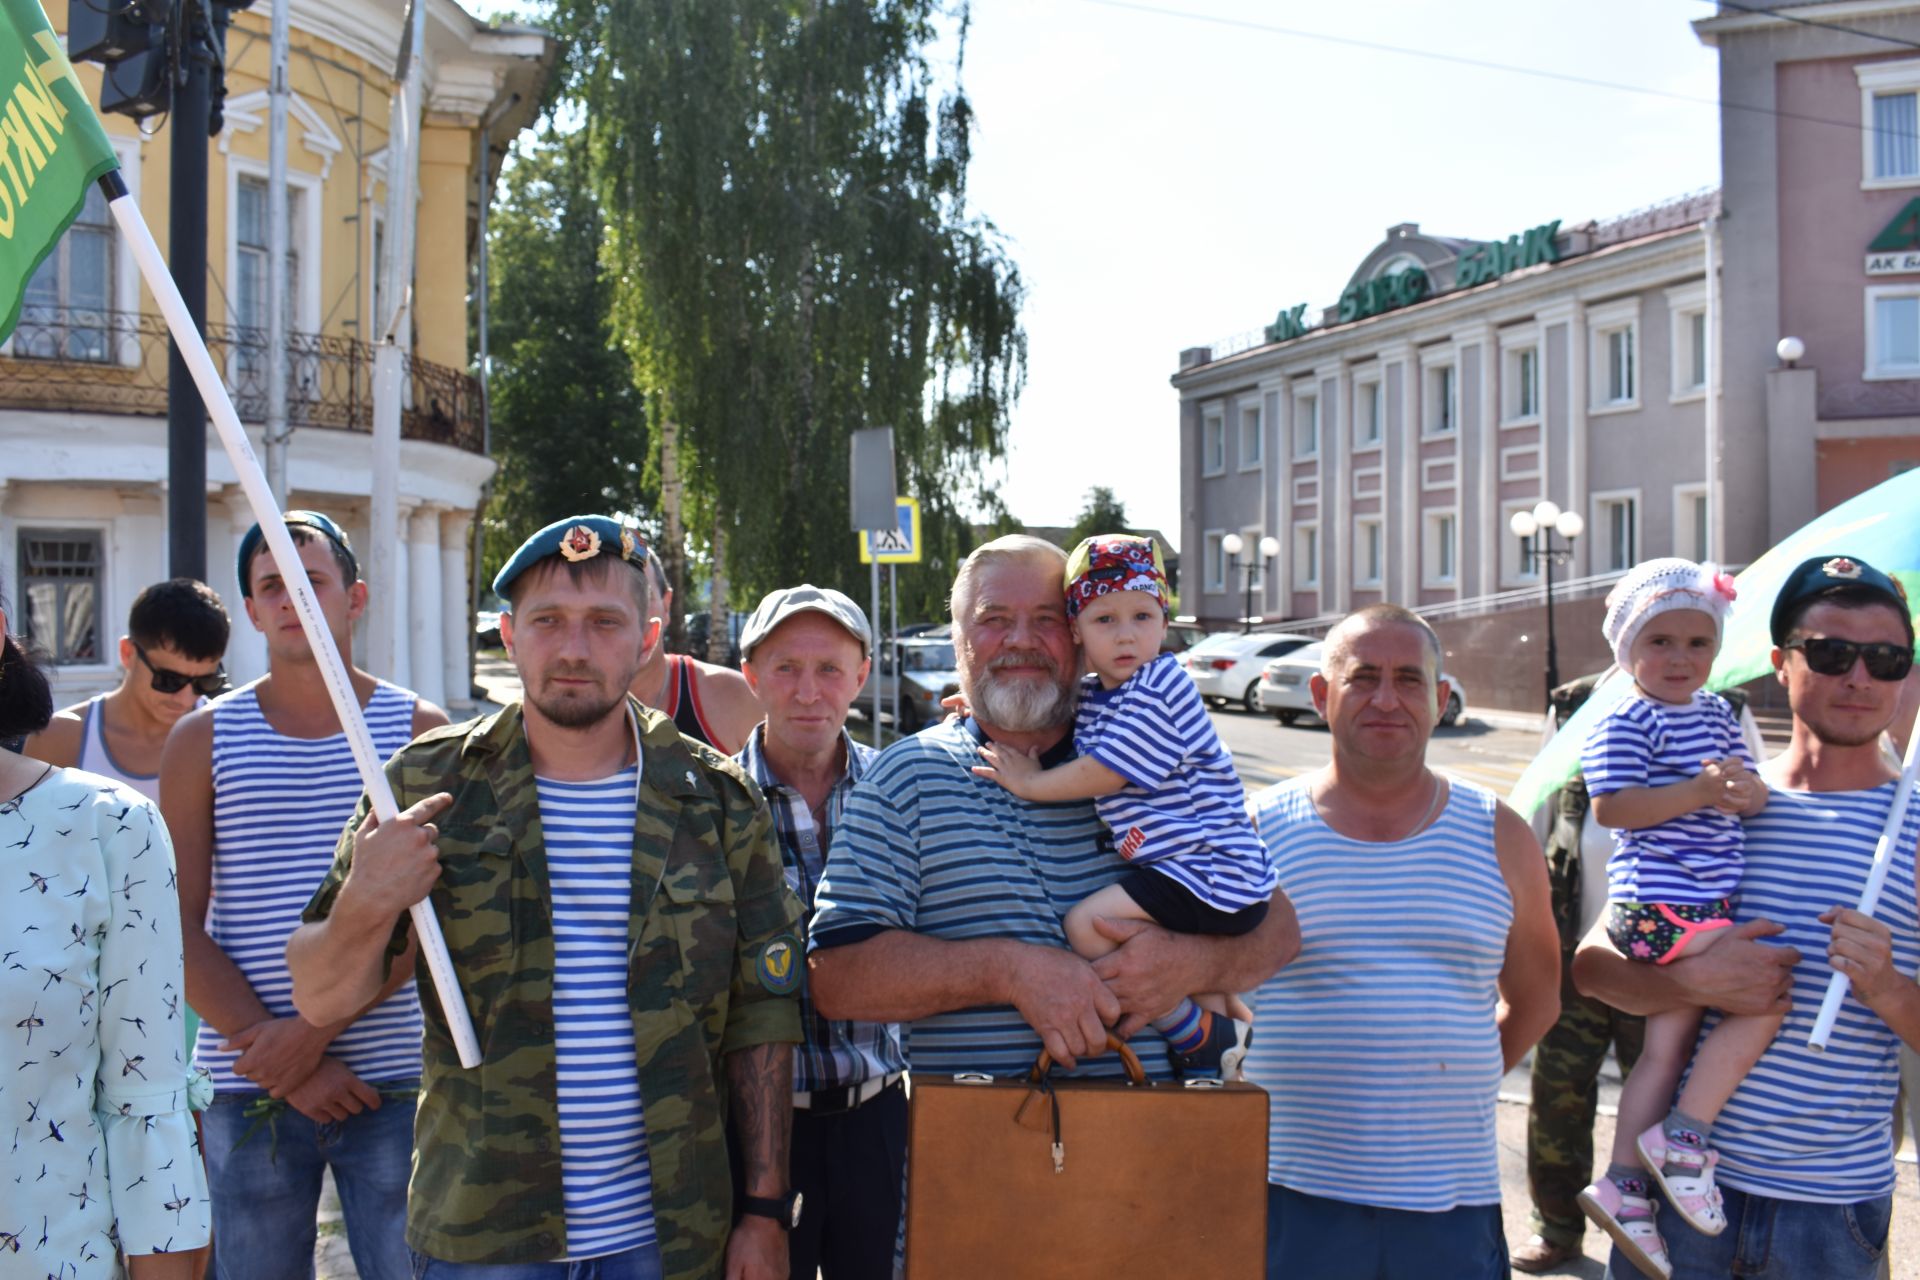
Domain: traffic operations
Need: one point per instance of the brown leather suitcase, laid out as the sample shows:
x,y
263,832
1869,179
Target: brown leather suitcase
x,y
1064,1179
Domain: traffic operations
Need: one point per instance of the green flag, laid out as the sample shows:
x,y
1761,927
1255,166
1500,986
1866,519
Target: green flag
x,y
51,148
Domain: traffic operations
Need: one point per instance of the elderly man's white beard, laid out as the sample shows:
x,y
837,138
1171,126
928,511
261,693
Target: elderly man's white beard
x,y
1021,705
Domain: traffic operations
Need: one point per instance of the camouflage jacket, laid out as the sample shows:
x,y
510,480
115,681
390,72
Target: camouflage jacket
x,y
713,967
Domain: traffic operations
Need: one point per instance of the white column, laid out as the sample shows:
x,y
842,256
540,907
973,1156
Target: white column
x,y
246,649
400,593
423,603
1576,499
456,619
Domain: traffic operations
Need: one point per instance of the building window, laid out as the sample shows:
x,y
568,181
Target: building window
x,y
64,312
1440,410
60,576
1368,414
1617,532
1213,445
1618,378
1216,561
1369,553
1306,556
1250,433
1250,561
1443,548
251,267
1523,384
1893,331
1517,566
1306,426
1896,135
1690,521
1690,353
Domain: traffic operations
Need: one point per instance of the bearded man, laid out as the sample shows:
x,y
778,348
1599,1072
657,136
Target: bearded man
x,y
943,898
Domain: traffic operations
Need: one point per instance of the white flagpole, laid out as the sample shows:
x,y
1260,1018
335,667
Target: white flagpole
x,y
1876,881
153,269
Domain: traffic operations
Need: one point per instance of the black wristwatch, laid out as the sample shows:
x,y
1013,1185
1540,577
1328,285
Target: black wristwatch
x,y
784,1210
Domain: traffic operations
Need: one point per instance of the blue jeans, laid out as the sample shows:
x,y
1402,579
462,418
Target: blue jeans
x,y
1313,1238
642,1263
265,1180
1768,1239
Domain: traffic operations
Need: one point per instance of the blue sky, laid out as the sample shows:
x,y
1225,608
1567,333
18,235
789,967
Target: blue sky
x,y
1166,180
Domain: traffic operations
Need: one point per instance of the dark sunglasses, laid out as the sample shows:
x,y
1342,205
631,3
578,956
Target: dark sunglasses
x,y
210,685
1829,657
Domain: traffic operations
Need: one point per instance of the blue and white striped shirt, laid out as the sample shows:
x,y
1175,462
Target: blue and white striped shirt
x,y
1693,859
835,1053
1378,1043
606,1181
1806,1125
279,806
1183,811
925,846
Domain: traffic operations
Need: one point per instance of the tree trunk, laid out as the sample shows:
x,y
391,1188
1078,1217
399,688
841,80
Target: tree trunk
x,y
673,537
718,641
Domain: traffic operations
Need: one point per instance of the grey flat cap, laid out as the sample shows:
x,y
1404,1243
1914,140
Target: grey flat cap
x,y
805,598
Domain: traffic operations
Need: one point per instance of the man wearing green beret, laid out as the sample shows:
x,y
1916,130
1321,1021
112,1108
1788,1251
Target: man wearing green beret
x,y
618,921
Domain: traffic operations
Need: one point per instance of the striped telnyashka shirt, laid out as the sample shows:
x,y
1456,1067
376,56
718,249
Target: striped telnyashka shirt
x,y
926,846
606,1180
1691,860
1378,1043
835,1053
1183,812
279,805
1806,1125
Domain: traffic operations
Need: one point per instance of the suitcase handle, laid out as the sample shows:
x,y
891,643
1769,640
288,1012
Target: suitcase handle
x,y
1136,1074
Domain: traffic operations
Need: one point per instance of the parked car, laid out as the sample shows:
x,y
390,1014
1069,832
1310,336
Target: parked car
x,y
1284,691
927,674
1226,667
1182,636
486,628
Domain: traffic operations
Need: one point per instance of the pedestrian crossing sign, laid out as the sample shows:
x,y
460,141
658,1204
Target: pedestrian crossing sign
x,y
900,544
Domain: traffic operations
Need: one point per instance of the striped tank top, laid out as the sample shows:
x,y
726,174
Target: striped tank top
x,y
605,1177
279,806
1378,1042
1806,1125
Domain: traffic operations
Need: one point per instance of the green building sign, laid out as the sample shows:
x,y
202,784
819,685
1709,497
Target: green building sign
x,y
1491,260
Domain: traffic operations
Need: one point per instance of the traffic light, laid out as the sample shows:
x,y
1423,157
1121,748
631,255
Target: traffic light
x,y
129,39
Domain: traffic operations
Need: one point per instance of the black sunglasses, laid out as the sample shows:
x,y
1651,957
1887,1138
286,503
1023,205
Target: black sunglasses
x,y
1829,657
210,685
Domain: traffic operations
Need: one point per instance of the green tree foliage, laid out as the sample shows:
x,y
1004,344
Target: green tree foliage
x,y
793,258
1101,513
569,424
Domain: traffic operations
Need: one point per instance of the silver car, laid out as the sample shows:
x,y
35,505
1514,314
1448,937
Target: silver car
x,y
1226,666
1285,693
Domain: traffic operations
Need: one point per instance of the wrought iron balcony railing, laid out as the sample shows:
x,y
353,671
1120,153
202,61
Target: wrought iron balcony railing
x,y
85,361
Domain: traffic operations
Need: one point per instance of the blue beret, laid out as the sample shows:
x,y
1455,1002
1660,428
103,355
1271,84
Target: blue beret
x,y
1824,574
322,525
575,539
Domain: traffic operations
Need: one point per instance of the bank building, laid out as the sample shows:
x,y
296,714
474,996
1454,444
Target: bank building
x,y
1698,378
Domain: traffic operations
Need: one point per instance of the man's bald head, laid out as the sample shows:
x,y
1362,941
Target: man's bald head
x,y
1339,641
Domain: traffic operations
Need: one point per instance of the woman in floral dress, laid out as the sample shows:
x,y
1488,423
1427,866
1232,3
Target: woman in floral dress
x,y
101,1159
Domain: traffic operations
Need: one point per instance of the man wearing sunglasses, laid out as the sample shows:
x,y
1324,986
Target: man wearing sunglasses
x,y
170,661
1806,1142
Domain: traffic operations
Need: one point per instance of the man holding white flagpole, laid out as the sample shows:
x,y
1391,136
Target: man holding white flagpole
x,y
1806,1142
255,787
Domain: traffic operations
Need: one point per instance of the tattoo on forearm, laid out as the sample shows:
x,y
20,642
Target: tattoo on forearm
x,y
760,1086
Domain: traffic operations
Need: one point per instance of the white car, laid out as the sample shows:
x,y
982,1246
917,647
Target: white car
x,y
1285,694
1226,667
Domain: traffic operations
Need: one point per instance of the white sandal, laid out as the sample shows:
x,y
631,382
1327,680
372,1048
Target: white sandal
x,y
1629,1220
1693,1195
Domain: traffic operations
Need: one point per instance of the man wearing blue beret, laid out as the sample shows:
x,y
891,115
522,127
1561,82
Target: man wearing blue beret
x,y
1805,1144
614,906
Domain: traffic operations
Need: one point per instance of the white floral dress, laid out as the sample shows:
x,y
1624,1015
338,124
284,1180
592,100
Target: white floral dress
x,y
94,1077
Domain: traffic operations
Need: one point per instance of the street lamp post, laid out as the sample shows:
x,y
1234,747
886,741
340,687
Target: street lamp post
x,y
1536,528
1233,544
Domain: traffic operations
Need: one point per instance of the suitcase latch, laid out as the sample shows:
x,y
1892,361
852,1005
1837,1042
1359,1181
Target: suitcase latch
x,y
972,1077
1203,1084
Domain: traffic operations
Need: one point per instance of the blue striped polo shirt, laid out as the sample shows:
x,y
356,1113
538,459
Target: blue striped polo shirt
x,y
606,1181
1378,1044
1183,811
925,846
279,806
1693,859
1806,1125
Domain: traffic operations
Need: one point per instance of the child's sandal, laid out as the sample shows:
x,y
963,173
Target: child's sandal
x,y
1689,1186
1629,1220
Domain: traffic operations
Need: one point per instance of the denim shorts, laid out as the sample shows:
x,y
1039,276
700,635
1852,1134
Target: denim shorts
x,y
1768,1239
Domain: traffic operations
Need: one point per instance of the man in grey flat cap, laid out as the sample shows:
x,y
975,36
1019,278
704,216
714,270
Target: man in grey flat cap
x,y
805,652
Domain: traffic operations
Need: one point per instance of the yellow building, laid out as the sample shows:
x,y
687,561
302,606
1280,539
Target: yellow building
x,y
83,381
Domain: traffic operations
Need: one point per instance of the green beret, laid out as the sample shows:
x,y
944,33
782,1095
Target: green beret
x,y
574,539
